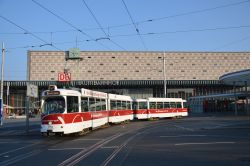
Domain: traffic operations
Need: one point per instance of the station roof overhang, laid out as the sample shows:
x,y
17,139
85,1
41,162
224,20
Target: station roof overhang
x,y
117,83
218,96
239,78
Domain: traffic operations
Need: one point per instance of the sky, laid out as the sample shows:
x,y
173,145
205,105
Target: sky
x,y
120,25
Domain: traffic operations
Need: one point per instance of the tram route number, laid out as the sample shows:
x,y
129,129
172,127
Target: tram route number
x,y
64,77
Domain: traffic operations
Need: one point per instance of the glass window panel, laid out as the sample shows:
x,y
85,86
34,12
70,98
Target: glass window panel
x,y
172,105
92,104
113,105
159,105
124,105
72,104
166,105
143,105
178,104
84,104
152,105
119,105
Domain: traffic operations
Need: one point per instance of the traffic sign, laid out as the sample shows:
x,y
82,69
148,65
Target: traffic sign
x,y
32,91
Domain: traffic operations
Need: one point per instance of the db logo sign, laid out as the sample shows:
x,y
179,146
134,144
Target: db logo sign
x,y
64,77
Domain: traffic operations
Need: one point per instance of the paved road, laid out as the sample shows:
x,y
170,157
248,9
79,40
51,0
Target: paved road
x,y
193,140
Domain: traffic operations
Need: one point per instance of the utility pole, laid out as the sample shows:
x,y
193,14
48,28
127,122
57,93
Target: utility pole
x,y
2,70
1,95
164,73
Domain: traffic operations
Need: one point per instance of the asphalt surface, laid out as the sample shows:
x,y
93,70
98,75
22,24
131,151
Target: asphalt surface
x,y
194,140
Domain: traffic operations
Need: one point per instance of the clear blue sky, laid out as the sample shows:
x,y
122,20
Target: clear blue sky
x,y
163,25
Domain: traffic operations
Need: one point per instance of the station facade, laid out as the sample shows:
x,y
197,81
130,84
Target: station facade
x,y
135,73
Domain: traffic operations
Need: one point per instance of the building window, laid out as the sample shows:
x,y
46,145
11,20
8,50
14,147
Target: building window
x,y
182,71
149,78
101,64
136,57
52,79
193,64
89,57
148,64
113,57
52,71
125,64
204,70
160,71
171,64
113,71
137,71
89,71
125,78
159,57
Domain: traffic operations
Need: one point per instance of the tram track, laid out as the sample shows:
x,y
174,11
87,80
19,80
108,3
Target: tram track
x,y
124,139
38,147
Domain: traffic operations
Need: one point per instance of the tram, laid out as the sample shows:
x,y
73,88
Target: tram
x,y
159,108
66,111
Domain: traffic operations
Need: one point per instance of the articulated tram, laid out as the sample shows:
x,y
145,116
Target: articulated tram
x,y
66,111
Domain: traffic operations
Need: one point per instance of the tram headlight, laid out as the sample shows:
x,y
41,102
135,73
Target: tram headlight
x,y
50,123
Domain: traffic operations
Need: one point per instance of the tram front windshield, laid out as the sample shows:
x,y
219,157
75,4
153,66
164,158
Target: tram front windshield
x,y
53,105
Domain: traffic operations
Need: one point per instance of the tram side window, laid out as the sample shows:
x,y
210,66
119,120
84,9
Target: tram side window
x,y
119,105
123,105
128,105
72,103
166,105
92,104
113,105
172,105
152,105
178,104
98,105
159,105
103,104
142,105
84,104
185,105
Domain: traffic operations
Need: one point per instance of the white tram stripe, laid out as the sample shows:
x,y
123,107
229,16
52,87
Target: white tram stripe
x,y
203,143
67,149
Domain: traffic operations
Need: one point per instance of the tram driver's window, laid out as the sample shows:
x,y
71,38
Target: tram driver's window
x,y
72,104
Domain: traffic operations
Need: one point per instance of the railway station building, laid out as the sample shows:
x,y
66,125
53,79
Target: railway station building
x,y
136,73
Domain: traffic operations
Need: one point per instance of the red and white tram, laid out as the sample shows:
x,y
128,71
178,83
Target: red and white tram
x,y
66,111
159,108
